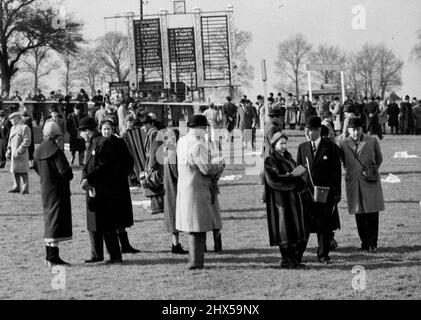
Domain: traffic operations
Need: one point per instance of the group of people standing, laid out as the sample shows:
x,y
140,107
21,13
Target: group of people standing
x,y
302,195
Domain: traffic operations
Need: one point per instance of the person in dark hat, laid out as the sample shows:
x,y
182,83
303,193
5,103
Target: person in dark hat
x,y
229,113
77,144
122,164
283,202
322,158
272,127
102,219
365,198
198,209
5,126
153,167
405,117
372,111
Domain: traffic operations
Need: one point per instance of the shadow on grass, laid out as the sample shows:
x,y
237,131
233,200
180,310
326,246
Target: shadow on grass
x,y
400,249
399,173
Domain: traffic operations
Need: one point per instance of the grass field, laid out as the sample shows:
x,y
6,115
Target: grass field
x,y
247,269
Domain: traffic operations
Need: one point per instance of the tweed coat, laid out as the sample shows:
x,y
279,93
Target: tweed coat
x,y
19,142
363,196
197,200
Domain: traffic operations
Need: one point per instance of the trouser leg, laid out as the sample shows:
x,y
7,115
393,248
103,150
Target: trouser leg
x,y
25,182
361,220
112,244
373,229
197,250
97,247
323,245
299,252
16,181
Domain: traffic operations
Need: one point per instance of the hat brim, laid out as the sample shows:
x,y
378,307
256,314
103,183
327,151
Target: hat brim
x,y
195,125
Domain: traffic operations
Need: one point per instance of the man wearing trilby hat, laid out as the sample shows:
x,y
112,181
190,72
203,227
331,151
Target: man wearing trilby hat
x,y
362,158
17,152
197,199
322,159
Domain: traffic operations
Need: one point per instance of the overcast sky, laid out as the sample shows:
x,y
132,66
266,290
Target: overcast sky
x,y
393,22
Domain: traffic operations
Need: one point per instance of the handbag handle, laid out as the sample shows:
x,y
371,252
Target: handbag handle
x,y
309,171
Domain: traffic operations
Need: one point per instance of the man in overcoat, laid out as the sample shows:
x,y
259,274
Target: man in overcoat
x,y
17,152
246,122
198,209
76,143
365,198
229,113
5,126
322,158
99,185
372,111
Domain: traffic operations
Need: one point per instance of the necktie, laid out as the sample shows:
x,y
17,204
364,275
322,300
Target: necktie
x,y
314,147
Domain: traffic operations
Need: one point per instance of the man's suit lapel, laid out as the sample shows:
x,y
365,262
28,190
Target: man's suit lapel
x,y
319,153
362,144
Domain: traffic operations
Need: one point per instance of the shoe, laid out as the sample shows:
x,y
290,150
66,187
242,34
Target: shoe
x,y
14,191
218,243
94,260
333,245
25,192
325,261
53,258
372,249
287,265
364,248
191,268
114,261
178,249
125,244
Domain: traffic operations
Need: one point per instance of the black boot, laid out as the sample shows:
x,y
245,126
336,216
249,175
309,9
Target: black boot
x,y
218,242
178,249
53,257
125,244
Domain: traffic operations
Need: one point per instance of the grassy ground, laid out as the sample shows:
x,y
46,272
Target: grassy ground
x,y
247,269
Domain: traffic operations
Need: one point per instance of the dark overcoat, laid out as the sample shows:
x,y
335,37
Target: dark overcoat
x,y
5,127
77,144
55,173
372,123
393,112
152,147
229,111
101,175
283,202
326,171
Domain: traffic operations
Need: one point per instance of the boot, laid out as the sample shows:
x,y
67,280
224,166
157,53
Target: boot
x,y
53,258
178,249
218,242
125,244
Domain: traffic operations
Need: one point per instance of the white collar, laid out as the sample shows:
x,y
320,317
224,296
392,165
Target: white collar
x,y
317,142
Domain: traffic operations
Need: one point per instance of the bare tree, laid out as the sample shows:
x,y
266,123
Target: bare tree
x,y
68,76
89,67
293,54
416,51
374,70
389,70
113,49
326,54
29,24
39,62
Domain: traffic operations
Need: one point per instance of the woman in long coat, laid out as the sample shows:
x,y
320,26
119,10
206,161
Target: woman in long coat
x,y
55,174
283,202
365,199
99,180
291,112
122,165
17,152
170,186
197,198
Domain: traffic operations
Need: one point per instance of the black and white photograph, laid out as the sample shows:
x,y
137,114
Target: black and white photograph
x,y
194,151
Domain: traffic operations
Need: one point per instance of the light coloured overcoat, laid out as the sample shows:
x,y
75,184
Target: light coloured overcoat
x,y
19,142
363,196
197,210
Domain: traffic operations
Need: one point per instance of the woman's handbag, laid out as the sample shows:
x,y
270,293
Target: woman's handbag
x,y
153,180
321,194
